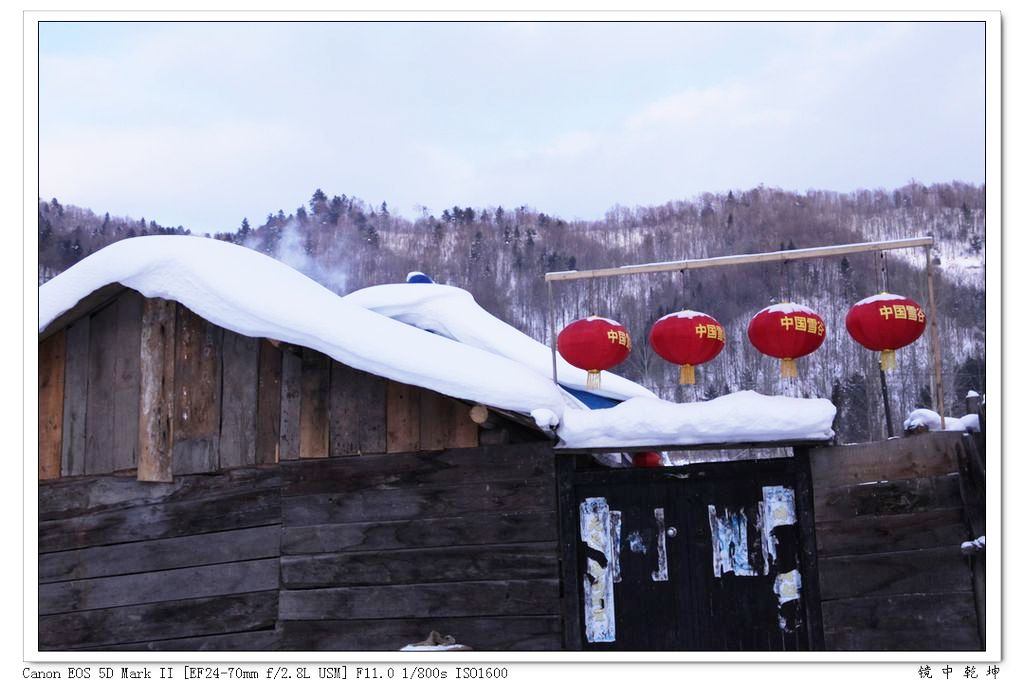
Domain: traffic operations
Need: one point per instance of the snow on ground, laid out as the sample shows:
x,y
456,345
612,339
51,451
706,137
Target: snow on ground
x,y
922,417
453,313
745,416
427,335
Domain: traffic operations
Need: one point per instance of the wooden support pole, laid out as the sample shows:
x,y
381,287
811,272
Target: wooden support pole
x,y
885,402
551,324
936,355
156,395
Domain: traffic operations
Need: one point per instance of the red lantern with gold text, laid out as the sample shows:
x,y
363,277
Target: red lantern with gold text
x,y
687,338
885,322
594,344
786,331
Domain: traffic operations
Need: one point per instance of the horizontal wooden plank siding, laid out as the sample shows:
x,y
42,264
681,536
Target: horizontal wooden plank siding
x,y
485,633
153,556
381,546
471,598
902,622
421,565
148,565
484,528
378,547
160,586
159,621
889,521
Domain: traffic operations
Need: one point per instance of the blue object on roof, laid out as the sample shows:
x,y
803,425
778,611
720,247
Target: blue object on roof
x,y
590,400
417,276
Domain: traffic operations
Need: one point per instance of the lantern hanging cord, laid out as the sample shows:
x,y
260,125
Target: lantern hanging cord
x,y
885,272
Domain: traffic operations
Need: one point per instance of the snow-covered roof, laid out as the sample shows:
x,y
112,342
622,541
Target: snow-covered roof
x,y
742,417
427,335
922,417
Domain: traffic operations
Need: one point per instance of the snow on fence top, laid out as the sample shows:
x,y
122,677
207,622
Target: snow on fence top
x,y
427,335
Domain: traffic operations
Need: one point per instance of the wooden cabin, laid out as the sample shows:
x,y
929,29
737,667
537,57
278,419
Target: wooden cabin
x,y
203,490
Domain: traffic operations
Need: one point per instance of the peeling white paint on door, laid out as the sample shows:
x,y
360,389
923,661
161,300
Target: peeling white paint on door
x,y
636,543
598,592
616,540
787,586
779,509
729,542
661,573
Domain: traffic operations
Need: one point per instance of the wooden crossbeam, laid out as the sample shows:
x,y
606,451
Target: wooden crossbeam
x,y
740,259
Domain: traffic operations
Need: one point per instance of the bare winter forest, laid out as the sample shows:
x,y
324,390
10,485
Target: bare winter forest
x,y
500,255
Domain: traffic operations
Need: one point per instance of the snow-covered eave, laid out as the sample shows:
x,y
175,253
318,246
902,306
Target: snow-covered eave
x,y
744,419
563,448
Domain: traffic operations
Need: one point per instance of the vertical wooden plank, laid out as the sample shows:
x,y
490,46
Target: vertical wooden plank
x,y
51,404
268,404
373,398
156,392
466,433
240,358
403,418
99,418
313,420
344,410
197,394
437,421
291,404
568,525
76,385
128,338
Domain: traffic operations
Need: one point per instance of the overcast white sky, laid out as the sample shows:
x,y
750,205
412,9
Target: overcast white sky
x,y
201,124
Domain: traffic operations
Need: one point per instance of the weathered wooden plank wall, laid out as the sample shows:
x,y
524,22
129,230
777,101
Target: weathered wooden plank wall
x,y
147,387
51,405
889,521
126,564
377,551
373,552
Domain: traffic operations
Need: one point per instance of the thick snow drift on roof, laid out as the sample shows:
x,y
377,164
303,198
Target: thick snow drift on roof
x,y
453,313
743,417
922,417
254,295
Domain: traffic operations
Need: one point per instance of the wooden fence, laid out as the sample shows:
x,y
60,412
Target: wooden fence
x,y
889,520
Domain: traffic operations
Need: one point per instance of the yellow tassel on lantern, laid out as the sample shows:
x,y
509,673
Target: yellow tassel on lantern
x,y
593,379
788,367
888,360
687,375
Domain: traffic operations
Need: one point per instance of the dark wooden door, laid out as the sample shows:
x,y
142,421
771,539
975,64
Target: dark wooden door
x,y
705,557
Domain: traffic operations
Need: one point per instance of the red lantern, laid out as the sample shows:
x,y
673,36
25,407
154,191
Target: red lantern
x,y
594,344
687,338
885,322
647,459
787,331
